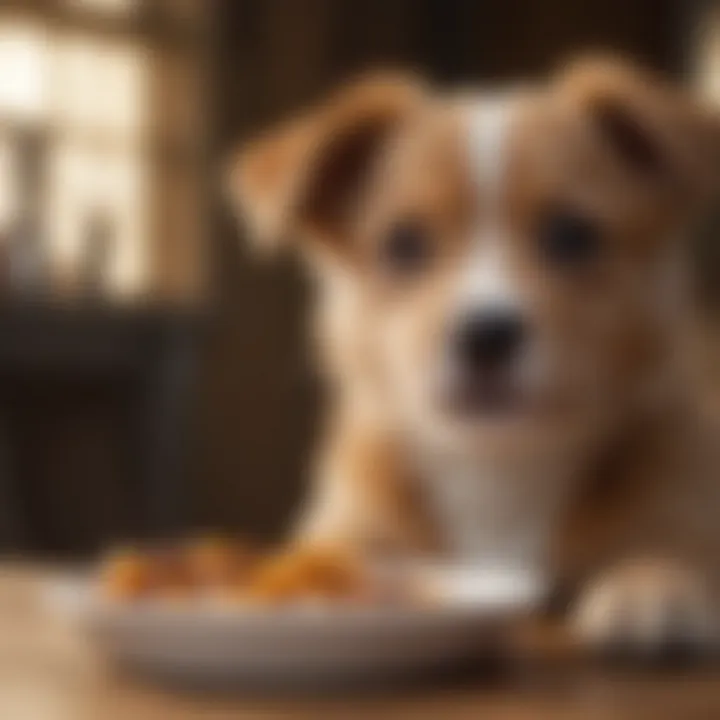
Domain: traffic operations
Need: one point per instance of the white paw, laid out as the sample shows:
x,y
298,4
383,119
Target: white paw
x,y
647,607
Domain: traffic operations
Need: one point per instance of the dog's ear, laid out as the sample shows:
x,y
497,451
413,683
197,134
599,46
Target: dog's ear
x,y
659,132
301,179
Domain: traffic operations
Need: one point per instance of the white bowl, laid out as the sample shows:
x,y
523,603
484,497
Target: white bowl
x,y
202,644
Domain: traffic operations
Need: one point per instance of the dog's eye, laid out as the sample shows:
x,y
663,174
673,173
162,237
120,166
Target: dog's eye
x,y
406,248
569,239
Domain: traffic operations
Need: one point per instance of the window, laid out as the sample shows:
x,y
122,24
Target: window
x,y
79,137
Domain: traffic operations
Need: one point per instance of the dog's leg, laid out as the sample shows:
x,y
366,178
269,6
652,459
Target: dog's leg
x,y
363,498
651,547
642,545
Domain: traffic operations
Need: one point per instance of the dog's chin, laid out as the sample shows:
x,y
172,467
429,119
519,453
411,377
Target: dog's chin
x,y
487,402
502,414
498,414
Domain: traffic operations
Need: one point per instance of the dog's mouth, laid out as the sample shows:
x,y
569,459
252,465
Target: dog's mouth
x,y
487,397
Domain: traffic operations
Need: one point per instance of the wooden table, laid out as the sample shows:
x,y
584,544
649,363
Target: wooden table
x,y
49,672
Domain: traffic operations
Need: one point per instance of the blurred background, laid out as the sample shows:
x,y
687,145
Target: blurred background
x,y
153,378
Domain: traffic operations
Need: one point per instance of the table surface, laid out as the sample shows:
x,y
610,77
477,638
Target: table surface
x,y
48,671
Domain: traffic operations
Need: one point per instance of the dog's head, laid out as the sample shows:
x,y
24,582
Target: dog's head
x,y
491,263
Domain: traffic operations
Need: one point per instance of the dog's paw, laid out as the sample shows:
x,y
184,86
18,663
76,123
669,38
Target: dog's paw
x,y
647,609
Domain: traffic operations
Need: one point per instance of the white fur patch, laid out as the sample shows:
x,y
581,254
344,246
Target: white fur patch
x,y
489,122
488,280
497,512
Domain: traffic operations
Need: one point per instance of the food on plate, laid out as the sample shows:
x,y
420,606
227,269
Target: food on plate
x,y
317,574
217,562
127,574
232,572
175,571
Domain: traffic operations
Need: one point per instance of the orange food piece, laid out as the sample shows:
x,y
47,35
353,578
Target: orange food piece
x,y
172,577
297,574
127,574
132,574
216,562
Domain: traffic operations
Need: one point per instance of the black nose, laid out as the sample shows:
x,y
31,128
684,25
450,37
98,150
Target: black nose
x,y
488,340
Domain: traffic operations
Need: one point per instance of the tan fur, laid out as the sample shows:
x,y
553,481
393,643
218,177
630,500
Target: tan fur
x,y
616,413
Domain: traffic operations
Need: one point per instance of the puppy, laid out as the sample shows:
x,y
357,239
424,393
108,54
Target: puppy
x,y
502,318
